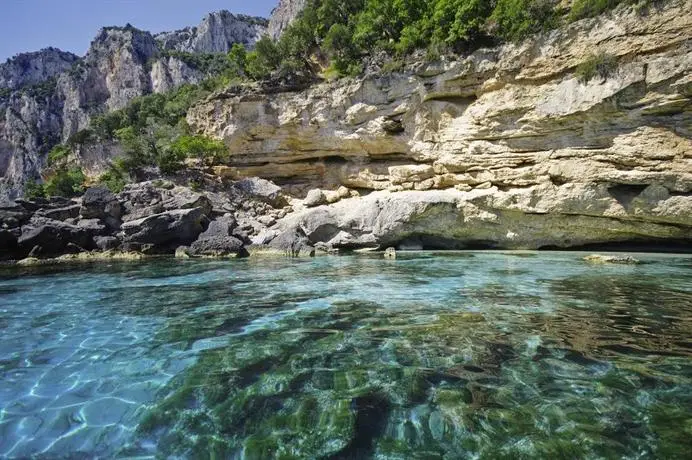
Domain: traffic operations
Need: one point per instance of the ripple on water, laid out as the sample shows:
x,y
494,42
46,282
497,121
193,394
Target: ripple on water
x,y
484,355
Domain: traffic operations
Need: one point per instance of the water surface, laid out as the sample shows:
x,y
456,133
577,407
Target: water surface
x,y
432,355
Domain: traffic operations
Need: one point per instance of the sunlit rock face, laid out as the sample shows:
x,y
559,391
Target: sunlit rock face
x,y
509,145
215,34
283,15
32,68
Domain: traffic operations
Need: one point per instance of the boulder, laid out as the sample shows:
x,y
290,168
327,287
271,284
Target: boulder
x,y
220,228
166,230
93,226
13,215
100,203
218,247
52,237
184,198
106,243
315,198
390,253
293,244
8,244
263,190
62,213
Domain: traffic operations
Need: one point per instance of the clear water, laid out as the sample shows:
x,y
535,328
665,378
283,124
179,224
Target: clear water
x,y
455,355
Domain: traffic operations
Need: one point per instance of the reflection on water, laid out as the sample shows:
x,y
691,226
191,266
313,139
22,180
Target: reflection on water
x,y
432,355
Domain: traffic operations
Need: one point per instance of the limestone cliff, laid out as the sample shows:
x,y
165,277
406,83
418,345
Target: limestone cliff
x,y
217,32
282,16
48,96
508,147
33,68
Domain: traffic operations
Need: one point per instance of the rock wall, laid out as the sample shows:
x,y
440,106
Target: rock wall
x,y
508,147
33,68
282,16
217,32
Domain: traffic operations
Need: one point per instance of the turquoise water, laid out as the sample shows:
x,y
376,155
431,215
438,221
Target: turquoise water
x,y
432,355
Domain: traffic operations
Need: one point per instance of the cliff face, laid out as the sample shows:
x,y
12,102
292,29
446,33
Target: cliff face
x,y
33,68
48,96
216,34
506,148
282,16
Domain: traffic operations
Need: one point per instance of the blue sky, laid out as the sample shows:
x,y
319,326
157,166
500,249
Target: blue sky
x,y
29,25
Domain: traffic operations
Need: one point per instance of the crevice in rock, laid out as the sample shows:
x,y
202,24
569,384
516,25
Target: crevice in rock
x,y
625,193
633,245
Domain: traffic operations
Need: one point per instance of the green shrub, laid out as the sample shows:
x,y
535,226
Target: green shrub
x,y
201,147
589,8
65,182
264,59
59,155
113,180
517,19
33,190
597,65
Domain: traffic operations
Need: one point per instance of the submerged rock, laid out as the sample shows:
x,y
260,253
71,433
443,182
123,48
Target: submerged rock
x,y
602,259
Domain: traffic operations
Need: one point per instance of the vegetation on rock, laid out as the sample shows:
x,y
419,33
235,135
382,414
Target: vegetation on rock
x,y
345,31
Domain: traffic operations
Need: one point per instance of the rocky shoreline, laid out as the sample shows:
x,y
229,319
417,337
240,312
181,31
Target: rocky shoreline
x,y
254,217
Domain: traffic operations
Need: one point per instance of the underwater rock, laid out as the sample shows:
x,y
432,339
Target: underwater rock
x,y
601,259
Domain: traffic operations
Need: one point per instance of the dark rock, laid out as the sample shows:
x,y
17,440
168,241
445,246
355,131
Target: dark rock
x,y
72,248
93,226
263,190
8,244
35,252
53,236
221,227
143,248
393,126
293,244
182,198
218,247
62,214
166,230
140,213
106,243
99,203
242,235
14,215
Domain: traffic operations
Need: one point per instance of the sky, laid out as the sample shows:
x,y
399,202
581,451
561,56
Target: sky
x,y
30,25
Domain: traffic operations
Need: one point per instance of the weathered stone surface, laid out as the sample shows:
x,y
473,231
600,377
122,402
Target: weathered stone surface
x,y
216,33
8,244
100,203
217,247
52,236
283,15
536,217
262,189
170,228
220,228
506,147
315,198
63,213
106,243
28,69
292,243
